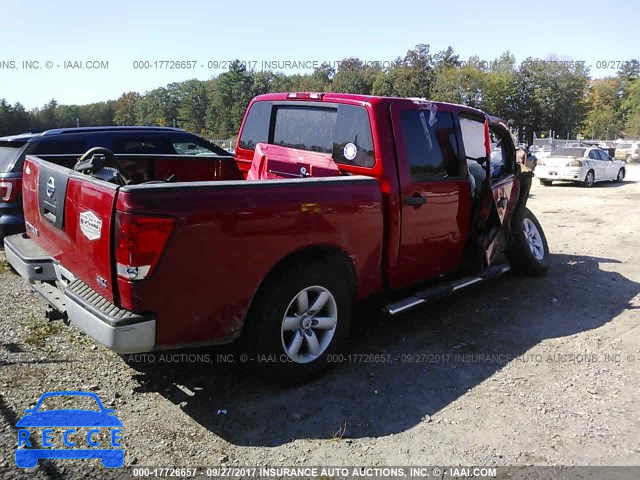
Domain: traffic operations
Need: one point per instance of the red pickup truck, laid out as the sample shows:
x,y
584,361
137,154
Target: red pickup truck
x,y
330,199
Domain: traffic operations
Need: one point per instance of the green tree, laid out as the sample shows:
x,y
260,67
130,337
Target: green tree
x,y
354,77
192,107
631,106
125,109
461,85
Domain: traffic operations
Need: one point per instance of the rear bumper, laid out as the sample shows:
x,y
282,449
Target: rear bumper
x,y
572,174
28,259
117,329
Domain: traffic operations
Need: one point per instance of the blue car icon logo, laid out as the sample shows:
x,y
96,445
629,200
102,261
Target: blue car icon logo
x,y
38,422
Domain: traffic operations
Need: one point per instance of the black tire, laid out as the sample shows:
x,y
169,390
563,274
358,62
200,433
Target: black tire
x,y
589,179
521,252
620,177
266,337
546,183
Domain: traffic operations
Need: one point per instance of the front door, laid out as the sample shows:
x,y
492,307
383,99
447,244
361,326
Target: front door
x,y
597,165
436,197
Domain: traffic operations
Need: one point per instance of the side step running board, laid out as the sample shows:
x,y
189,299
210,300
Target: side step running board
x,y
443,289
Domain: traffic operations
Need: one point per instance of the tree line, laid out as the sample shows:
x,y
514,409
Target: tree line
x,y
533,97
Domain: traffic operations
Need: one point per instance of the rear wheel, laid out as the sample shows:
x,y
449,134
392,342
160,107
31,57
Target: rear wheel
x,y
589,179
546,183
627,158
298,320
620,177
529,251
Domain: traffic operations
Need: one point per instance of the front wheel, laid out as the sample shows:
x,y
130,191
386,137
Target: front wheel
x,y
298,320
529,251
546,183
620,177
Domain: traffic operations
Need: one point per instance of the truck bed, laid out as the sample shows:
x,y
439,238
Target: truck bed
x,y
220,227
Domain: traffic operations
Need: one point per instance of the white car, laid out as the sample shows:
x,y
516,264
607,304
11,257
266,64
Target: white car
x,y
586,165
541,152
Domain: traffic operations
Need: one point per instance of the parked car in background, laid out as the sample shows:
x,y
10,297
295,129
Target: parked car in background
x,y
629,152
65,145
541,152
586,165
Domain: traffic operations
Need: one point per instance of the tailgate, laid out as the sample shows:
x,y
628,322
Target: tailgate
x,y
70,216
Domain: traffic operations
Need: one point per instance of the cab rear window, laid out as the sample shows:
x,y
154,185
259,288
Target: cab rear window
x,y
341,130
9,153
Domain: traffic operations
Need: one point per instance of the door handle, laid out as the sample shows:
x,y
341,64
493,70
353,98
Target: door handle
x,y
416,200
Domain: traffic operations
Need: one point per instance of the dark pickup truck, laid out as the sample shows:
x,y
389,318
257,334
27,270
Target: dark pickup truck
x,y
330,199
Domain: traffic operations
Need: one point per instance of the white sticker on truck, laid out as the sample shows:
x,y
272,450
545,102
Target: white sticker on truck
x,y
90,225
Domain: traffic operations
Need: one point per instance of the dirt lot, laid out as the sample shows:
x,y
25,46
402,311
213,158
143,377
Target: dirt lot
x,y
516,371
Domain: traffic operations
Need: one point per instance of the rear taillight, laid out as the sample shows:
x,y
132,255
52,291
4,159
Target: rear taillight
x,y
140,241
574,163
10,189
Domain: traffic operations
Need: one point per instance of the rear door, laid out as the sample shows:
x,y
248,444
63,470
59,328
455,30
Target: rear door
x,y
436,197
70,216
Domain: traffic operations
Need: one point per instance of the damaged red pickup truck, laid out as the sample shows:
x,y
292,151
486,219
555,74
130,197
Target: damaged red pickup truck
x,y
331,198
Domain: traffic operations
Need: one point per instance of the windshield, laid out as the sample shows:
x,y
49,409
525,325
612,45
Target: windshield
x,y
9,153
568,152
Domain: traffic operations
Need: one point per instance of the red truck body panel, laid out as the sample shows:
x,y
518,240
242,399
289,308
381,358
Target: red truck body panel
x,y
229,236
230,233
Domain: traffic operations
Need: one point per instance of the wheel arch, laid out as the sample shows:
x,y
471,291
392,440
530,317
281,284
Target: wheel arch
x,y
331,255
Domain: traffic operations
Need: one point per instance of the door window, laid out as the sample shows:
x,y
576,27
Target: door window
x,y
430,144
473,138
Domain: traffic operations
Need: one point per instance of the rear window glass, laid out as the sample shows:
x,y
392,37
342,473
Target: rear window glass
x,y
569,152
143,146
624,145
65,147
197,146
310,129
343,131
256,128
9,153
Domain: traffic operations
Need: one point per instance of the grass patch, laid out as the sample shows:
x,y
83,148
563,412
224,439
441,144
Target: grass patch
x,y
339,434
40,330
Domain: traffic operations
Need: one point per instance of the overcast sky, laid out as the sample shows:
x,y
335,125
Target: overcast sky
x,y
122,32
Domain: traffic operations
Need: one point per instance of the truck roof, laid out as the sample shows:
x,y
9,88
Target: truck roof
x,y
63,131
358,98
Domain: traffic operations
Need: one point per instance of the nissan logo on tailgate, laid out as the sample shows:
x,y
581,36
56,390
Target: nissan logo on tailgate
x,y
51,187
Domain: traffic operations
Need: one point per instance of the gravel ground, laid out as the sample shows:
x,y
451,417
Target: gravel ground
x,y
516,371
